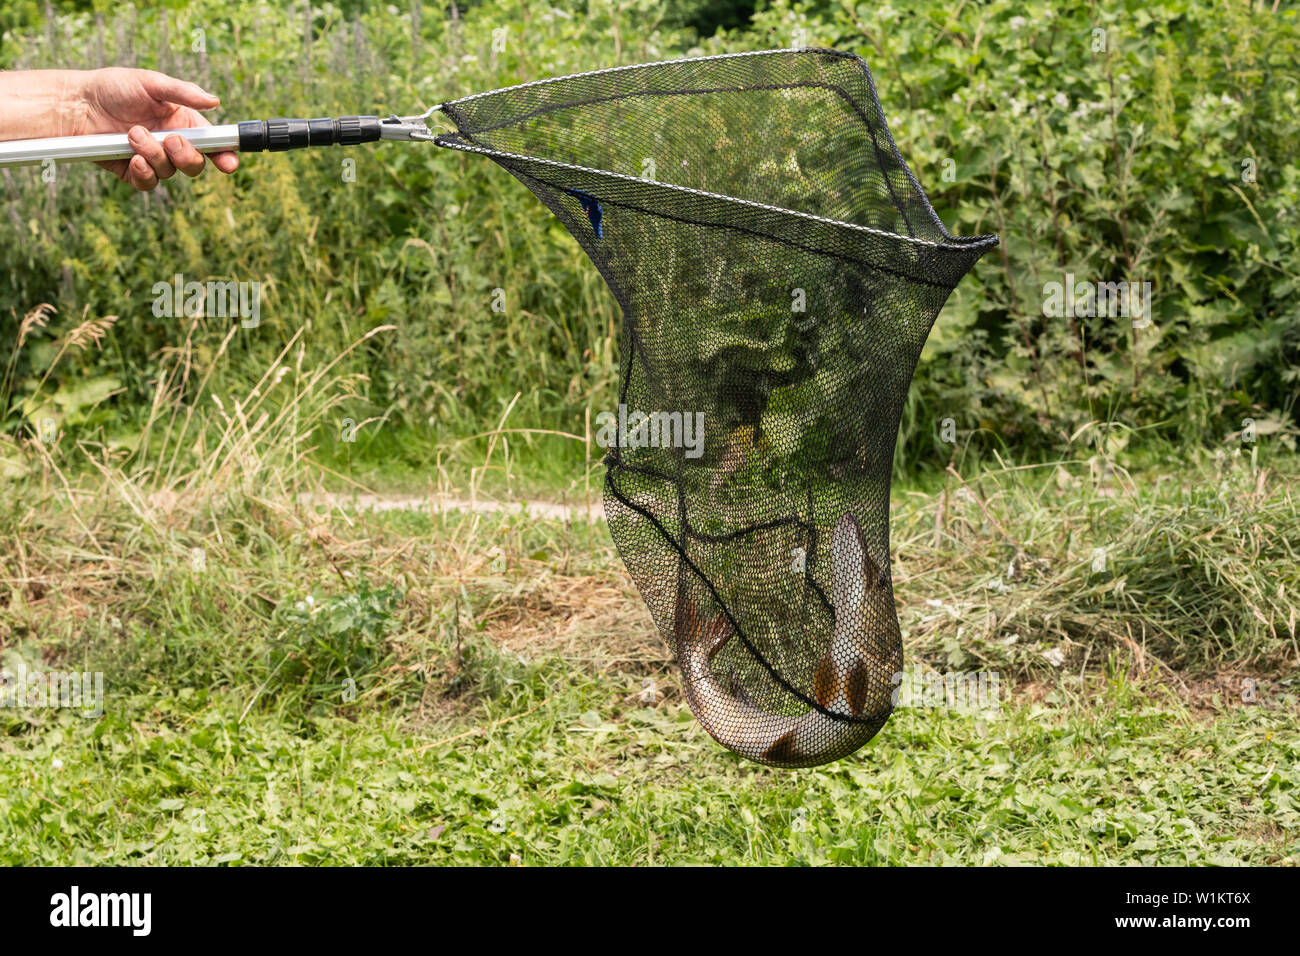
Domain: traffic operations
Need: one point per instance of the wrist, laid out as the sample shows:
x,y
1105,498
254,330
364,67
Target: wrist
x,y
39,103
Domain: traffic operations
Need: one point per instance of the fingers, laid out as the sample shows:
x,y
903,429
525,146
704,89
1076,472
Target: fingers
x,y
183,156
117,167
168,89
155,161
152,154
226,162
140,174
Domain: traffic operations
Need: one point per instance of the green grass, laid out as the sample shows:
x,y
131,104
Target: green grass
x,y
468,689
583,776
404,460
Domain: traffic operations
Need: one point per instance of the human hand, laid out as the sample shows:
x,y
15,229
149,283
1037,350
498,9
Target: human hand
x,y
116,99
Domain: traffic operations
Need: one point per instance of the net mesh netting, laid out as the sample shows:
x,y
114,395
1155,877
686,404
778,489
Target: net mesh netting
x,y
778,269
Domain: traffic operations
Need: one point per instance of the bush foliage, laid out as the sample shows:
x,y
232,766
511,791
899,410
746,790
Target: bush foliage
x,y
1136,141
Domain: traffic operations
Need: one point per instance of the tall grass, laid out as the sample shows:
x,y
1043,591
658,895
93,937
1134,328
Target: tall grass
x,y
1026,569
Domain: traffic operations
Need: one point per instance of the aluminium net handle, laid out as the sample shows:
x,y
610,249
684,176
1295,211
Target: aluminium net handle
x,y
253,136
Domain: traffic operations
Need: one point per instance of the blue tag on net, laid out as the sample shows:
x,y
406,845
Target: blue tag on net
x,y
591,206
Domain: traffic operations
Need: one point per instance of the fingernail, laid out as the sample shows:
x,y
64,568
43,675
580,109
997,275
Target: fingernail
x,y
172,144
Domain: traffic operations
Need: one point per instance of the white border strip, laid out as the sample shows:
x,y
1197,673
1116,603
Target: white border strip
x,y
708,195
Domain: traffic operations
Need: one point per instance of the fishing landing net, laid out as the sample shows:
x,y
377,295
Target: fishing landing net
x,y
778,269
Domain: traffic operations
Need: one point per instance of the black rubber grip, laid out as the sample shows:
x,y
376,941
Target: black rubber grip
x,y
278,135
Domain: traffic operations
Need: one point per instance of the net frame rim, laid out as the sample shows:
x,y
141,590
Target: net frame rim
x,y
953,242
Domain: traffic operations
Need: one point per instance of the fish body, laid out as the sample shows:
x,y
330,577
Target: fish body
x,y
853,683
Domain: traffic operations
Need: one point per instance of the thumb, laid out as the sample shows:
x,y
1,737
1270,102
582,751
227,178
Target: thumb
x,y
168,89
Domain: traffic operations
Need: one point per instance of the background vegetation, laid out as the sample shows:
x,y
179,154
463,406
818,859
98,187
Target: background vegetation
x,y
1117,163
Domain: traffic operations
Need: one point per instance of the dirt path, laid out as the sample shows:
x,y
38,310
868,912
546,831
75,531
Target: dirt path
x,y
551,510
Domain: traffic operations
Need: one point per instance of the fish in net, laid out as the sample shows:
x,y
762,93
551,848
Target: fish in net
x,y
778,268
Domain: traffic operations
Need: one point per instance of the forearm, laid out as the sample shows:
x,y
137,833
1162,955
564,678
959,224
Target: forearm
x,y
39,103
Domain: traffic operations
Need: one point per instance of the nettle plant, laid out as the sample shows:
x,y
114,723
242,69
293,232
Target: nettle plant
x,y
1140,143
328,640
